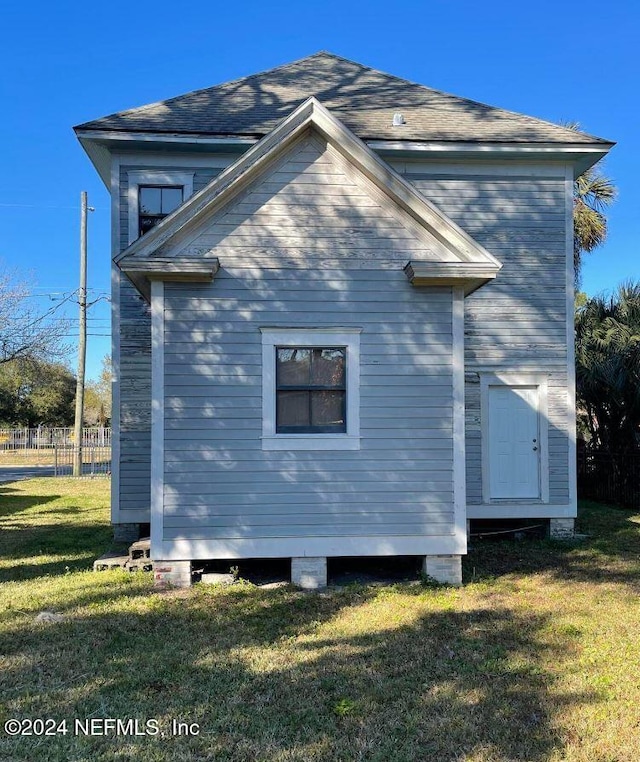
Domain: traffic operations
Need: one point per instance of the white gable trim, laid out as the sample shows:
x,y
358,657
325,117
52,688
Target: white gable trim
x,y
459,444
311,114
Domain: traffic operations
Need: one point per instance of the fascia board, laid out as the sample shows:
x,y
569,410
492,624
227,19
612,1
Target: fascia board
x,y
581,155
117,138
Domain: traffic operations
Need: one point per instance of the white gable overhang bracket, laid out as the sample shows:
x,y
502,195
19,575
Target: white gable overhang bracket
x,y
177,270
469,275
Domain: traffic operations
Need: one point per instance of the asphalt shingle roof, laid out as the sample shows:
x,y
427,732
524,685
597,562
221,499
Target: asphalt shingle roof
x,y
364,99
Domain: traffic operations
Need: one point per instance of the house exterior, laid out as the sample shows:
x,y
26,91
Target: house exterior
x,y
342,319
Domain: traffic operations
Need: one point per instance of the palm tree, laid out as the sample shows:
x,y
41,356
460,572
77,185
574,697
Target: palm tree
x,y
608,368
593,192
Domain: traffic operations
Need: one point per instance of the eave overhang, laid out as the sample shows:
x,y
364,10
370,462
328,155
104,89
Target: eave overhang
x,y
468,275
100,144
581,156
184,270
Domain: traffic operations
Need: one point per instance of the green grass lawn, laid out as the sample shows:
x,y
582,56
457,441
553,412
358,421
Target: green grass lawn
x,y
536,658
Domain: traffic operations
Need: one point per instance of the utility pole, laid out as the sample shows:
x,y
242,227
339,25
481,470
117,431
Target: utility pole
x,y
82,339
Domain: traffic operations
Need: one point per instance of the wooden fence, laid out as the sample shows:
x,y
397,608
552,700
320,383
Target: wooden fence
x,y
610,478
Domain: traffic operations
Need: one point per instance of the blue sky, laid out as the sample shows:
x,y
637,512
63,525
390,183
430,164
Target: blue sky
x,y
65,63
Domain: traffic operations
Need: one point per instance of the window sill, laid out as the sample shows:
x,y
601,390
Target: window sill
x,y
311,442
500,501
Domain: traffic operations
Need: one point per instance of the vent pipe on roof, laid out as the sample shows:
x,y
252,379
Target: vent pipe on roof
x,y
398,120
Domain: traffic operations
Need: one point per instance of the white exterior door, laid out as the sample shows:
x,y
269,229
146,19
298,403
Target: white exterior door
x,y
514,442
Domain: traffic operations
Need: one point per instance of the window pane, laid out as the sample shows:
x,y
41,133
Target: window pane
x,y
171,199
327,368
150,200
293,367
146,223
292,408
327,409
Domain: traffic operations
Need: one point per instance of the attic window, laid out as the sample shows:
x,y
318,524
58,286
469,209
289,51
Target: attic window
x,y
155,202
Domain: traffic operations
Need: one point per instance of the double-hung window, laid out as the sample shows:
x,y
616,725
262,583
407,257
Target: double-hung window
x,y
153,194
155,202
311,388
311,391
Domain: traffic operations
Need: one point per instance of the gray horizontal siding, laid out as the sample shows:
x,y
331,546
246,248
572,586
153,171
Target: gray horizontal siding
x,y
296,216
133,344
220,484
310,214
517,322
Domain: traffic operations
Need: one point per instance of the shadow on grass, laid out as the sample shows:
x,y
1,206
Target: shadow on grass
x,y
64,540
266,678
13,501
610,553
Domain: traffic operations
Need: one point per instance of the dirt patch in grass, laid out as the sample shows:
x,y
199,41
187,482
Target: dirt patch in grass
x,y
535,658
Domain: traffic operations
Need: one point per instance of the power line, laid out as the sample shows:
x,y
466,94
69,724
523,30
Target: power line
x,y
38,206
51,294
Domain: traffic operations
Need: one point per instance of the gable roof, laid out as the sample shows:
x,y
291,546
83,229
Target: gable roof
x,y
467,258
364,99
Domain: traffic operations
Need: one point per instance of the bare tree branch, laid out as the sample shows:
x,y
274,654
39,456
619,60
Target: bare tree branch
x,y
26,332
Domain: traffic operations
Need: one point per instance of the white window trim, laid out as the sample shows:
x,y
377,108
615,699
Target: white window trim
x,y
515,380
310,337
138,177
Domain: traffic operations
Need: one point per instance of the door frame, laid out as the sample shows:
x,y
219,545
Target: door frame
x,y
515,380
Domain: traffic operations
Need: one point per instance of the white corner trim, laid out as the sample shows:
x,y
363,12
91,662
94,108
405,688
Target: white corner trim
x,y
459,467
157,416
515,379
115,342
310,337
571,349
138,177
